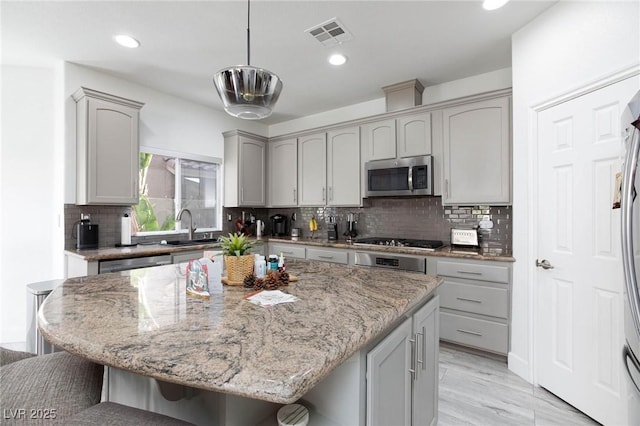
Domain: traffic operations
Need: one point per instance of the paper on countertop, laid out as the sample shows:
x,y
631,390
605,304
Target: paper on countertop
x,y
271,297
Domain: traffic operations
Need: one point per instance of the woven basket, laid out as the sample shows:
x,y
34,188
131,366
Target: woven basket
x,y
238,267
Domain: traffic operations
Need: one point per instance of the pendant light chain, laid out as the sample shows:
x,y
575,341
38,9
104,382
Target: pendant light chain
x,y
248,32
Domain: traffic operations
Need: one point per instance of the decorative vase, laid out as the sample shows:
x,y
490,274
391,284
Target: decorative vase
x,y
238,267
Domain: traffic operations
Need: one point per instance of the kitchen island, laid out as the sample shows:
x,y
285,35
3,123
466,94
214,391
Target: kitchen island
x,y
142,322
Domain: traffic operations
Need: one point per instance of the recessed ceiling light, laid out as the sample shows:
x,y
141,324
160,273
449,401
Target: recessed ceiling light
x,y
337,59
493,4
126,41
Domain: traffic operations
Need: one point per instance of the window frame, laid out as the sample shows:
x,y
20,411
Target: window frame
x,y
178,189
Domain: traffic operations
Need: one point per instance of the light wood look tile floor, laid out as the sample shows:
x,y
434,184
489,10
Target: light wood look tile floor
x,y
480,390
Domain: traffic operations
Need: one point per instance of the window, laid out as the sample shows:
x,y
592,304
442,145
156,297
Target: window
x,y
170,182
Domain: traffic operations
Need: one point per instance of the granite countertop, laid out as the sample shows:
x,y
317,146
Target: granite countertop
x,y
445,251
142,321
142,250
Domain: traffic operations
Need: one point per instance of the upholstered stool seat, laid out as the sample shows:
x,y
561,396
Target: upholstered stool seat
x,y
112,414
39,389
63,389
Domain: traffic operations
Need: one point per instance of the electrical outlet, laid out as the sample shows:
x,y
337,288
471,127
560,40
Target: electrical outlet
x,y
229,217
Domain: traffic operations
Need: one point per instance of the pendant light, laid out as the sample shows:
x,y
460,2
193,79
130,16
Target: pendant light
x,y
248,92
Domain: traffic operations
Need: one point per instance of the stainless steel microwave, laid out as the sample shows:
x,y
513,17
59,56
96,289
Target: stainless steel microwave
x,y
403,176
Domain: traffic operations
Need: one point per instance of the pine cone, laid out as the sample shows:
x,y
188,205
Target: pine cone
x,y
249,280
284,278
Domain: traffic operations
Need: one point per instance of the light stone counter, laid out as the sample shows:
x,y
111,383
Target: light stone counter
x,y
141,321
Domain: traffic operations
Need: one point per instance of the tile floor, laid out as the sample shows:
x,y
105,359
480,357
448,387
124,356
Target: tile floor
x,y
480,390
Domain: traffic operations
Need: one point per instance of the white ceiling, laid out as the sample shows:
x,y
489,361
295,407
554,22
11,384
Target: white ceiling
x,y
184,43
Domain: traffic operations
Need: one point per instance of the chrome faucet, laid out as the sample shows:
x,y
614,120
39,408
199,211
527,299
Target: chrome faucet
x,y
192,228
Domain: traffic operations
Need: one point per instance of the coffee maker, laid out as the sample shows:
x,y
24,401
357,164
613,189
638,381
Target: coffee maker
x,y
279,225
332,229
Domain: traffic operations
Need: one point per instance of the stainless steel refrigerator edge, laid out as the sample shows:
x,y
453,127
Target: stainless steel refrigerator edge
x,y
631,240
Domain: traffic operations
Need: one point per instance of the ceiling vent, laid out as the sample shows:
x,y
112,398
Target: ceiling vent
x,y
330,33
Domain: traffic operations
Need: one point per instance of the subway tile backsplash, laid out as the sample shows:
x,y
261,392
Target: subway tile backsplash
x,y
397,217
401,217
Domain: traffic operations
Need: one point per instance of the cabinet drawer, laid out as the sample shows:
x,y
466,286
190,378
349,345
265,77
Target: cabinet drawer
x,y
327,255
289,251
473,271
482,334
474,298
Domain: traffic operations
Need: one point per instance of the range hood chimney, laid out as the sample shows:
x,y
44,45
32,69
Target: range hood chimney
x,y
407,94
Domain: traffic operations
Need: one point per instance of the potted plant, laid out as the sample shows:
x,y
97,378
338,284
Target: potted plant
x,y
237,259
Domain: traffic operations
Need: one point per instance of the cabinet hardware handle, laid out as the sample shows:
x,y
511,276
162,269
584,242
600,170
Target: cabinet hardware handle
x,y
418,360
412,370
464,299
475,333
241,193
325,257
295,197
446,188
331,193
470,273
410,179
287,252
324,198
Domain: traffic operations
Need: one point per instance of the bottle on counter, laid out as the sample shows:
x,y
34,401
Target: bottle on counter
x,y
281,266
260,266
273,262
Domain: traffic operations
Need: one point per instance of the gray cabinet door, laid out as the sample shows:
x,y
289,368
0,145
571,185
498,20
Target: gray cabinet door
x,y
283,173
414,135
389,379
477,153
312,170
425,387
252,163
107,148
379,140
343,167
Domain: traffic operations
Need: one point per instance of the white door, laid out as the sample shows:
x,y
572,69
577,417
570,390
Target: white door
x,y
579,309
312,170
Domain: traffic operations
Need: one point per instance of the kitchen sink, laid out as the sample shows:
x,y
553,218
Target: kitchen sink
x,y
193,242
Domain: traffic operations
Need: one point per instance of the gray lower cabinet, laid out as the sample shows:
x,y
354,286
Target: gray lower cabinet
x,y
475,301
328,255
402,372
290,251
299,251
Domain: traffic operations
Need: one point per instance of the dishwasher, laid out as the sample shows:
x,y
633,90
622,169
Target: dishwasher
x,y
118,265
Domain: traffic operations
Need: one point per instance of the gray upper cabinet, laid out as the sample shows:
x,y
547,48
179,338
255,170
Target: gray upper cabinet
x,y
414,135
379,140
107,144
283,173
244,169
312,170
477,153
343,167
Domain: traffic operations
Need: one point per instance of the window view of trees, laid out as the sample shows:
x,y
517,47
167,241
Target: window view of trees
x,y
168,184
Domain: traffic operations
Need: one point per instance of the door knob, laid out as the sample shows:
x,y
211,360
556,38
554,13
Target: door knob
x,y
544,264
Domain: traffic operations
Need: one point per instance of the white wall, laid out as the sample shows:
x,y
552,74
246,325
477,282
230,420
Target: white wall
x,y
495,80
166,122
31,187
568,46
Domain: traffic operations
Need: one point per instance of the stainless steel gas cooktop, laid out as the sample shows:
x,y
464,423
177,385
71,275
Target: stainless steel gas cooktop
x,y
400,242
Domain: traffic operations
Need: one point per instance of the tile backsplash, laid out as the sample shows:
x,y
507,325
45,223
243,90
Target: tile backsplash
x,y
401,217
397,217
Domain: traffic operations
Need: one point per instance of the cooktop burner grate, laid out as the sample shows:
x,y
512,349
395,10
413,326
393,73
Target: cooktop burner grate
x,y
400,242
